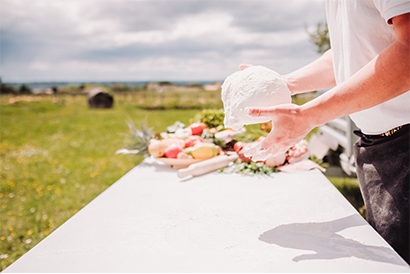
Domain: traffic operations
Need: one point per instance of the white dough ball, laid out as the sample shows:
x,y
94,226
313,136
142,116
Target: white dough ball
x,y
255,86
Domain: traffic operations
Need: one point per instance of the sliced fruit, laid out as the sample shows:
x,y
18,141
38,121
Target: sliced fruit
x,y
204,151
193,140
176,141
172,151
156,148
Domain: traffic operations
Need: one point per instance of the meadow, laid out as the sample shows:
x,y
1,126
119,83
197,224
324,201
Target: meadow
x,y
57,154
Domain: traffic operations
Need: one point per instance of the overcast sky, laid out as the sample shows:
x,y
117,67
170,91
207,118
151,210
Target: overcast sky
x,y
152,40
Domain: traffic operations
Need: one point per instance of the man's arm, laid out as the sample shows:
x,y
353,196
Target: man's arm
x,y
382,79
316,75
385,77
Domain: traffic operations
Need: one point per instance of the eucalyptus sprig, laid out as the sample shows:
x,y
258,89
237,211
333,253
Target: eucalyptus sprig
x,y
249,168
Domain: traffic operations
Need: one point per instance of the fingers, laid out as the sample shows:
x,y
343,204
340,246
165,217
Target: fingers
x,y
264,150
244,66
275,146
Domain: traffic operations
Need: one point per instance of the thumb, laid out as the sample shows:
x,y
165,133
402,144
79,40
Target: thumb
x,y
283,109
244,66
260,111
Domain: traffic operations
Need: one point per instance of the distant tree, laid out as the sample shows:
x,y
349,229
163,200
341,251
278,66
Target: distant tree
x,y
119,87
5,89
320,37
24,89
195,85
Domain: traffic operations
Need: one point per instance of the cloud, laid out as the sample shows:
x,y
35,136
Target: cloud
x,y
131,40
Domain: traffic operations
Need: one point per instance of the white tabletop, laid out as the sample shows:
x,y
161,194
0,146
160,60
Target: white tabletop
x,y
152,221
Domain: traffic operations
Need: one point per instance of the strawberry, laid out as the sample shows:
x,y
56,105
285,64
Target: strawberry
x,y
238,146
197,128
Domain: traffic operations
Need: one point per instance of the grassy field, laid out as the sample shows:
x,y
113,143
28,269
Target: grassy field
x,y
57,155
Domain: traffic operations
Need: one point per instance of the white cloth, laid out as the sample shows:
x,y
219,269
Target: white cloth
x,y
359,31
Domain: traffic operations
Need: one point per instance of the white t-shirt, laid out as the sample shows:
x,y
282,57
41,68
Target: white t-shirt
x,y
359,30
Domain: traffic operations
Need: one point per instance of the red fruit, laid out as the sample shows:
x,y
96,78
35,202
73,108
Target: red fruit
x,y
242,149
192,140
197,128
219,149
172,151
238,146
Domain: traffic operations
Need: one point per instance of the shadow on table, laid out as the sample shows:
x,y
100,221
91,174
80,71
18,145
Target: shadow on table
x,y
322,239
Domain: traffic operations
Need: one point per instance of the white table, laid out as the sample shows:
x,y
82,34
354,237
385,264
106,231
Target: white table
x,y
152,221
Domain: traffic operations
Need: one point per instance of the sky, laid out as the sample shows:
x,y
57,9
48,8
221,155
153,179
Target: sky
x,y
152,40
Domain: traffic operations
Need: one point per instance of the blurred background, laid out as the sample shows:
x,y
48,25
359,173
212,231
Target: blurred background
x,y
74,72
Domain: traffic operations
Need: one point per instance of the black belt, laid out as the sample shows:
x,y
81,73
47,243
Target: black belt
x,y
391,132
388,133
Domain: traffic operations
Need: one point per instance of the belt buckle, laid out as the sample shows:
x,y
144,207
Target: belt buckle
x,y
391,132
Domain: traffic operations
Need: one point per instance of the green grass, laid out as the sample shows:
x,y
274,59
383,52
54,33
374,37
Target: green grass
x,y
349,187
57,154
56,158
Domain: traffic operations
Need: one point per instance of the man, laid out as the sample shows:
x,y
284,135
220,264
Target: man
x,y
370,65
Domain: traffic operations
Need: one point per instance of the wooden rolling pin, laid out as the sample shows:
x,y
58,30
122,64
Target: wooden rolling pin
x,y
207,166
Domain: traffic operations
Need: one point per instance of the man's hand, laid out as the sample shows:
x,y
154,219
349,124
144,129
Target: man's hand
x,y
289,127
244,66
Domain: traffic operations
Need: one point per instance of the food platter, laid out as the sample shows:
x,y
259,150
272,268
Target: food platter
x,y
178,163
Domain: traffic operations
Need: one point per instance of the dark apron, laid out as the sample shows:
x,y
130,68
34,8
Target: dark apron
x,y
382,165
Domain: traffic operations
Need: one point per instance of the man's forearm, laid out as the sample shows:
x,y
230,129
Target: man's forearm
x,y
382,79
315,76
